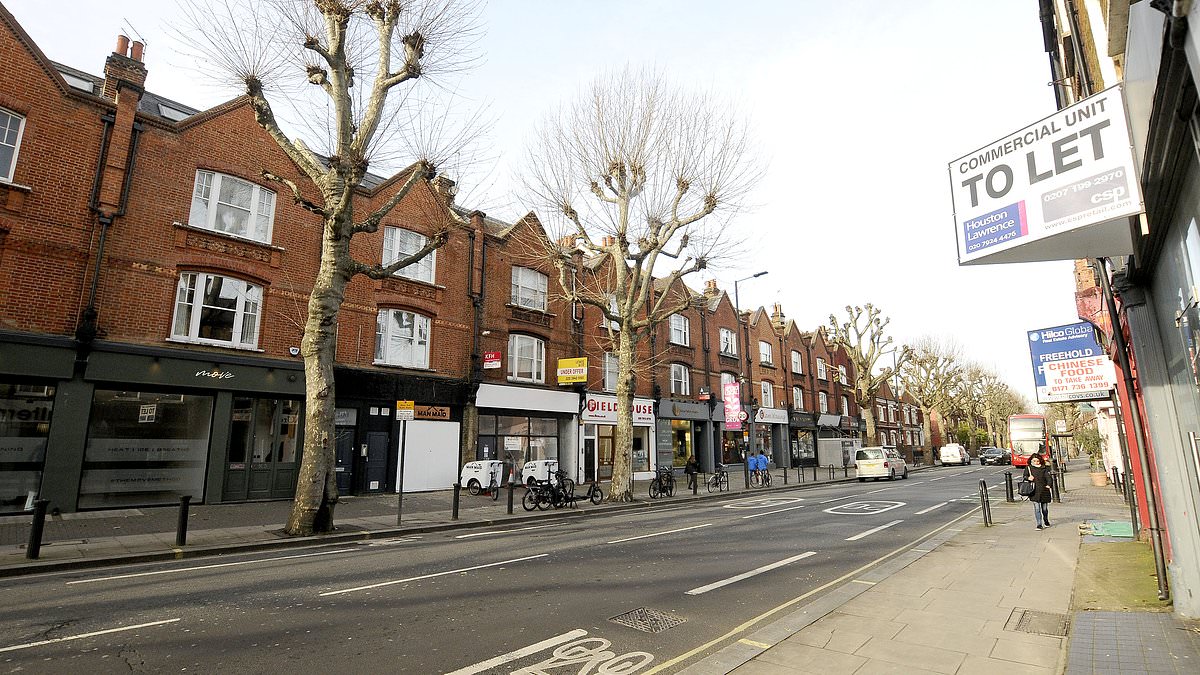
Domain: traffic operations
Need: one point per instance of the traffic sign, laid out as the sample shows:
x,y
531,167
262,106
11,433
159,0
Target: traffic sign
x,y
743,415
405,411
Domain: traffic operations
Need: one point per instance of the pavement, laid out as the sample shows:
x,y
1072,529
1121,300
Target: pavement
x,y
966,599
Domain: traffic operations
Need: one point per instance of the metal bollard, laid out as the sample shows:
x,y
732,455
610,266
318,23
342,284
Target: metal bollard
x,y
815,467
181,525
984,503
696,483
1008,487
832,468
1056,487
785,475
845,471
1116,480
454,506
35,531
510,497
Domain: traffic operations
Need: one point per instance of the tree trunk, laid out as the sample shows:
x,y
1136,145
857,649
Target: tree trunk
x,y
316,483
621,487
927,429
868,413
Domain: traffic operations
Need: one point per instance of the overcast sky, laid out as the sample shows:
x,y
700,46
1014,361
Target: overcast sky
x,y
858,108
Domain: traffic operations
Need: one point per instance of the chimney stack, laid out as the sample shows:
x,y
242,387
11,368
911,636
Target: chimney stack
x,y
124,67
710,288
777,317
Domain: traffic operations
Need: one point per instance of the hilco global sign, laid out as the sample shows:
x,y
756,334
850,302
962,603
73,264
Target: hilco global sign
x,y
1068,364
1067,182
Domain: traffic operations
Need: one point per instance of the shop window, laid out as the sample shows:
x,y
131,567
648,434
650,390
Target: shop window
x,y
765,356
25,412
823,401
728,342
526,358
797,362
529,288
217,310
681,442
768,394
231,205
402,339
681,379
517,439
398,243
264,430
11,126
144,448
681,330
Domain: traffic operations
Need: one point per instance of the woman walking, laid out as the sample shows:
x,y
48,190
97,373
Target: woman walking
x,y
1039,475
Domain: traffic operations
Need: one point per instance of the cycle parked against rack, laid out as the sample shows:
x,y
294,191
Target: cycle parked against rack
x,y
594,494
542,494
663,484
719,480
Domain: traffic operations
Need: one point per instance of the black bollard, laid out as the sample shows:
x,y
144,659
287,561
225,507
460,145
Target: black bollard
x,y
454,506
984,503
785,475
510,497
35,531
181,525
1008,488
1056,487
845,471
696,483
831,470
1116,480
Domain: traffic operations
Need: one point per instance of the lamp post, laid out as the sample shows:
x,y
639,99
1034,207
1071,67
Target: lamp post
x,y
749,431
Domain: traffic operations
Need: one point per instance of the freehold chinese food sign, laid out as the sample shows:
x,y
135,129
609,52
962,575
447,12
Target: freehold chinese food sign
x,y
1068,364
1059,189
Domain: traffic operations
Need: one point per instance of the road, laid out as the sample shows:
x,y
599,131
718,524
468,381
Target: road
x,y
487,600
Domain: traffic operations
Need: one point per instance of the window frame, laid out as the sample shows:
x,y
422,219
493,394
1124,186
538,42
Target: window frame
x,y
797,397
823,402
683,329
842,375
733,378
797,362
769,353
389,257
539,359
428,327
217,179
518,284
196,311
12,167
845,405
681,374
611,365
822,370
766,391
732,341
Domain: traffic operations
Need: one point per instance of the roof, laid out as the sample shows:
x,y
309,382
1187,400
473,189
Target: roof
x,y
150,104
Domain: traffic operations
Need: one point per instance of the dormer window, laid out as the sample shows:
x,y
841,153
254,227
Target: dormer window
x,y
231,205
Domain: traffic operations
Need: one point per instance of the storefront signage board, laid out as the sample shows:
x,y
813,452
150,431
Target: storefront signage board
x,y
572,371
1069,365
602,409
771,416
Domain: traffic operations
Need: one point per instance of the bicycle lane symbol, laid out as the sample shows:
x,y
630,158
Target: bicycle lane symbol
x,y
762,502
570,650
863,508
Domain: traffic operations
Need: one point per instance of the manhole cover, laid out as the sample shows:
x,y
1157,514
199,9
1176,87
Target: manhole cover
x,y
647,620
1042,623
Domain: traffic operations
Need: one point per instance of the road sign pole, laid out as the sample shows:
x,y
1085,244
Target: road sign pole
x,y
405,411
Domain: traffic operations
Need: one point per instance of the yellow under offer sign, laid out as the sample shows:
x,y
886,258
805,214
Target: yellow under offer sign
x,y
571,371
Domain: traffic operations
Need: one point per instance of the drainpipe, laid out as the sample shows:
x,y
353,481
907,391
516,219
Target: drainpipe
x,y
1139,430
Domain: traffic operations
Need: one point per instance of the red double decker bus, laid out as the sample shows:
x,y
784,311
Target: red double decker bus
x,y
1027,436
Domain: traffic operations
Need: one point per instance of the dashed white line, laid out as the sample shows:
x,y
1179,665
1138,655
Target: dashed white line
x,y
209,567
935,506
939,478
520,653
435,574
746,575
836,499
755,515
81,636
873,530
658,534
879,490
492,532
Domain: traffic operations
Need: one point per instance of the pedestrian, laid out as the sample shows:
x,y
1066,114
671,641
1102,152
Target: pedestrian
x,y
762,467
691,469
1039,474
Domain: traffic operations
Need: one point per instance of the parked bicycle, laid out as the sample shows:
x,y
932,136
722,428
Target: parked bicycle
x,y
594,494
564,481
663,484
542,494
719,480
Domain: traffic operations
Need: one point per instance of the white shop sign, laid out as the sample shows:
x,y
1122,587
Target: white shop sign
x,y
602,409
771,416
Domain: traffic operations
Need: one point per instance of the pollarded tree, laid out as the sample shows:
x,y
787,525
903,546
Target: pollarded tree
x,y
360,59
863,336
929,375
639,178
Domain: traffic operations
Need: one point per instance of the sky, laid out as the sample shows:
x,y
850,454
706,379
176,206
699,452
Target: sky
x,y
856,109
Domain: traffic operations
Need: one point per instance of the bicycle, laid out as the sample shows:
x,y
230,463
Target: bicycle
x,y
542,494
756,478
765,478
719,481
663,483
594,494
564,481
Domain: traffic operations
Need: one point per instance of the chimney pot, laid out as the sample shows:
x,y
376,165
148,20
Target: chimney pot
x,y
122,45
136,50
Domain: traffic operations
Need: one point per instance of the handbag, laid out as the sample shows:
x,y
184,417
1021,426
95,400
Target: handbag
x,y
1026,488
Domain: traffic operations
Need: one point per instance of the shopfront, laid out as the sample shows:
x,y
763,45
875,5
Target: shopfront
x,y
519,424
802,437
598,441
688,426
770,432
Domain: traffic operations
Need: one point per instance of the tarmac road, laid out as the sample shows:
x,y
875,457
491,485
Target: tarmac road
x,y
486,600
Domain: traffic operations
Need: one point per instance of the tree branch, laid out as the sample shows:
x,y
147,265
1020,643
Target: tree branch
x,y
265,116
384,271
297,196
421,171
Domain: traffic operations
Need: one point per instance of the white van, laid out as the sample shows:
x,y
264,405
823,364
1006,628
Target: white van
x,y
879,461
953,453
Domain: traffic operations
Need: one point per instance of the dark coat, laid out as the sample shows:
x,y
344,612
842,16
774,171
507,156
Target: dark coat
x,y
1040,475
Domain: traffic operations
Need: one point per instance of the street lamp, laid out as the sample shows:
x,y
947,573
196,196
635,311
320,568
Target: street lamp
x,y
737,308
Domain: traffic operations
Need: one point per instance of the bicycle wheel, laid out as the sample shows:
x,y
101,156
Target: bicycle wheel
x,y
724,481
473,487
670,486
544,500
755,480
568,486
597,495
530,501
655,489
713,482
766,479
495,490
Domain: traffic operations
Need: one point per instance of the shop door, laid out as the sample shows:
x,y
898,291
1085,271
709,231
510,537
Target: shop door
x,y
263,449
589,459
344,437
375,464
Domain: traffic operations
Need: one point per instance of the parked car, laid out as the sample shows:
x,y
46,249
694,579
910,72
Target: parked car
x,y
992,455
880,461
953,453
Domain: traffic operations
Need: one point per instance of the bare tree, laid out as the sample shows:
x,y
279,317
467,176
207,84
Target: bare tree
x,y
929,375
361,58
863,336
638,178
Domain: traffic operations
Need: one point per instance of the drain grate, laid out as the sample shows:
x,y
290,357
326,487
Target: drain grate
x,y
1042,623
647,620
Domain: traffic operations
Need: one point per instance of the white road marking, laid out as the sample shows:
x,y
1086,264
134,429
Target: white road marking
x,y
879,490
518,529
755,515
81,636
762,502
520,653
837,499
209,567
873,530
659,534
937,479
935,506
746,575
435,574
863,508
862,581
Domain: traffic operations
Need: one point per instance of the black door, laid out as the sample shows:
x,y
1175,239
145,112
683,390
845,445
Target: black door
x,y
345,459
375,474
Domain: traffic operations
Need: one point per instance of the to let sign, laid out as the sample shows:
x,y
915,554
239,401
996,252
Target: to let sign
x,y
491,360
405,411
